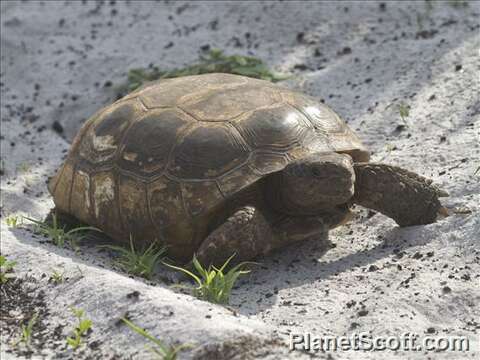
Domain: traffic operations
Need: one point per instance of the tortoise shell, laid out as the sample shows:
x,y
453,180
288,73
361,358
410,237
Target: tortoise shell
x,y
161,163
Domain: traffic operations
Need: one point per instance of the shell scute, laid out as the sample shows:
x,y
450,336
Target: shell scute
x,y
279,128
207,152
231,102
101,140
147,145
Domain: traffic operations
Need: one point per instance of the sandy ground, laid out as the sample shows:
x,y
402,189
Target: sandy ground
x,y
60,62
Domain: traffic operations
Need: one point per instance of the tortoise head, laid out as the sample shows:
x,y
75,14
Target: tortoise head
x,y
321,183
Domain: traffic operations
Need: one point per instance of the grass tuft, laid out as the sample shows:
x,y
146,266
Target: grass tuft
x,y
84,325
213,284
24,167
57,277
165,352
140,263
458,3
6,267
58,234
213,62
403,111
13,221
27,330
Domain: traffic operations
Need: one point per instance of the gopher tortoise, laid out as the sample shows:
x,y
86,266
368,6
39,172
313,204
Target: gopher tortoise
x,y
219,164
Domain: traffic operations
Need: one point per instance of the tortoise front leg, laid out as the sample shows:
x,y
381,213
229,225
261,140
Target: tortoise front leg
x,y
246,234
402,195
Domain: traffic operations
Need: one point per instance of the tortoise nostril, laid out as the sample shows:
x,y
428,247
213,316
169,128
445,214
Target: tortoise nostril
x,y
316,172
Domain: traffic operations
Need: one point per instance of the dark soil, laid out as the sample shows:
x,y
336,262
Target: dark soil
x,y
21,300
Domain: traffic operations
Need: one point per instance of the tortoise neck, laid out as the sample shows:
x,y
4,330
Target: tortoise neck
x,y
283,193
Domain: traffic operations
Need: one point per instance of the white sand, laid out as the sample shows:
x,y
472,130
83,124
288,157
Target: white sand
x,y
406,53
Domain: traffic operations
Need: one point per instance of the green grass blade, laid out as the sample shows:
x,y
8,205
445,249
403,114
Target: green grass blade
x,y
189,273
34,221
83,228
226,263
203,272
146,335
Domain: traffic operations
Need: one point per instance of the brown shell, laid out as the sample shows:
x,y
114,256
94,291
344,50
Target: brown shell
x,y
159,162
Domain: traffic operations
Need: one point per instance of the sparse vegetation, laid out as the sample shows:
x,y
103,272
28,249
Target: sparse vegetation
x,y
213,284
163,351
458,3
13,221
420,19
213,62
84,325
57,277
404,111
23,167
6,267
58,234
26,334
453,3
140,263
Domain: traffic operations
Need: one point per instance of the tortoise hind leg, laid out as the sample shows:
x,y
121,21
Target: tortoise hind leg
x,y
404,196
